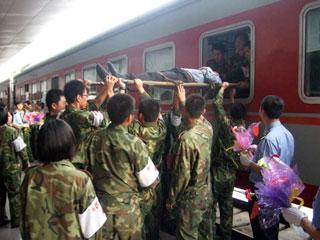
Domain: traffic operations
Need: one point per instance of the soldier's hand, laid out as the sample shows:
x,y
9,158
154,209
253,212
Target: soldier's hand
x,y
121,84
168,206
110,82
139,85
181,93
225,85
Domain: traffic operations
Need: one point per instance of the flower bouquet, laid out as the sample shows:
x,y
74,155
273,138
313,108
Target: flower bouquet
x,y
279,188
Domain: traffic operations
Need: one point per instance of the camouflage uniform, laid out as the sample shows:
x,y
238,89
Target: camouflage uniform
x,y
53,197
117,159
153,135
191,184
12,161
82,124
224,165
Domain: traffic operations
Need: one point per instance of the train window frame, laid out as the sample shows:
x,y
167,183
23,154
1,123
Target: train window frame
x,y
68,73
156,48
226,29
93,88
302,54
118,58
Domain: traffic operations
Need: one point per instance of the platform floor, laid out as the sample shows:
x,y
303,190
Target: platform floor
x,y
240,223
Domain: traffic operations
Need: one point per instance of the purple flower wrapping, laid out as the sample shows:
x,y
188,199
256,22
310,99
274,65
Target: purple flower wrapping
x,y
279,187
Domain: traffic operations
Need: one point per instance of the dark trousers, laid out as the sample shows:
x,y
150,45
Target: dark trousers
x,y
258,232
173,74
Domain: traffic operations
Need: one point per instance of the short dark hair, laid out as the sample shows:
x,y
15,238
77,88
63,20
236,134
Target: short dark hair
x,y
120,107
273,106
53,96
3,116
150,109
27,102
195,105
56,141
238,111
244,37
17,103
72,89
219,47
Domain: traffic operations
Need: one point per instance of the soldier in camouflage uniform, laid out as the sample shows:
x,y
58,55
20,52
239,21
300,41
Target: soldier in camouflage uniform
x,y
58,201
151,129
122,170
191,183
225,162
56,103
83,121
13,159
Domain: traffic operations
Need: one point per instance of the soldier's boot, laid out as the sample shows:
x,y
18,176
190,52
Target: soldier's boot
x,y
115,73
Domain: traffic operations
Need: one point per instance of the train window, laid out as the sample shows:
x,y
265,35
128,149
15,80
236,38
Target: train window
x,y
26,88
90,73
43,86
158,58
43,90
120,63
69,76
230,51
34,91
310,52
55,82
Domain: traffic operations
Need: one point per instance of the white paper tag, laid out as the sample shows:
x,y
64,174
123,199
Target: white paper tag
x,y
98,118
19,144
175,120
92,219
148,175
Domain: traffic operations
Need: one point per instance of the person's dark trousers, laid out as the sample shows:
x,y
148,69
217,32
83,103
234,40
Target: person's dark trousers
x,y
159,76
258,232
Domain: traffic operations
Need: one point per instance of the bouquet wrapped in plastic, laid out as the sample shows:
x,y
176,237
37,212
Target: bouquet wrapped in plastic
x,y
33,117
279,188
244,138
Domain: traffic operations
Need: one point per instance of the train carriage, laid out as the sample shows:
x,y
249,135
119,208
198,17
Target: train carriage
x,y
283,59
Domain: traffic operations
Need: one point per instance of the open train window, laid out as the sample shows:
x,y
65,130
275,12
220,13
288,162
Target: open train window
x,y
120,63
43,89
230,52
159,58
69,76
310,54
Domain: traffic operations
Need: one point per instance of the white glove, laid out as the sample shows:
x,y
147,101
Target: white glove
x,y
245,161
293,215
253,148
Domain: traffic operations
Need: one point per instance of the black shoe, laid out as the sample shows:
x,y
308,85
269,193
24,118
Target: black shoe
x,y
115,73
15,225
102,72
4,222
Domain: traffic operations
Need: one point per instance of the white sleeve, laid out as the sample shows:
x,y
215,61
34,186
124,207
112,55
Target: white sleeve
x,y
19,144
92,219
148,174
98,118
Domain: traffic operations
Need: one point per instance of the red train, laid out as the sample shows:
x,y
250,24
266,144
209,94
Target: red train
x,y
283,41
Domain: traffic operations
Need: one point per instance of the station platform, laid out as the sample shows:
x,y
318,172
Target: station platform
x,y
241,224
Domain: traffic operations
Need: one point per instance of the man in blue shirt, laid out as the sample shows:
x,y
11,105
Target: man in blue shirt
x,y
277,140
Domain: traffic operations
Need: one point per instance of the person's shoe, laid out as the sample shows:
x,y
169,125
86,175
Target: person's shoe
x,y
15,225
114,71
101,72
4,222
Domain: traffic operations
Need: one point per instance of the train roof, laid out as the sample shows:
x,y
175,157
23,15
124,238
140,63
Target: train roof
x,y
183,13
